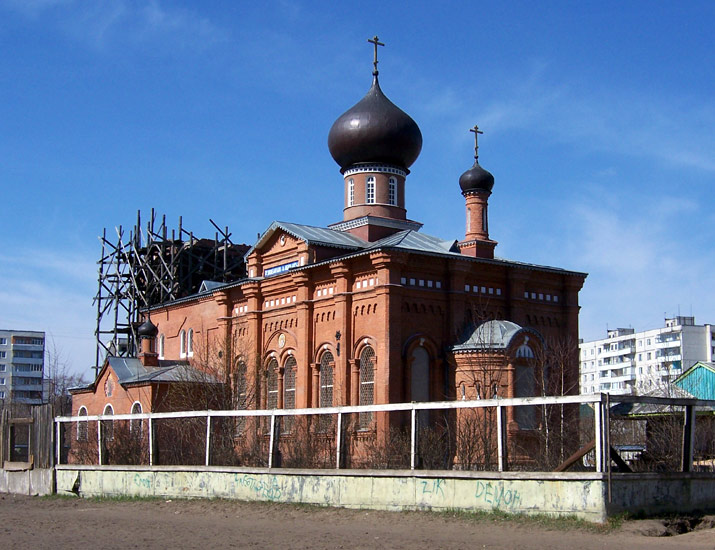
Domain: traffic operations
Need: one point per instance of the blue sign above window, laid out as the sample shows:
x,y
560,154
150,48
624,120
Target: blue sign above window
x,y
280,269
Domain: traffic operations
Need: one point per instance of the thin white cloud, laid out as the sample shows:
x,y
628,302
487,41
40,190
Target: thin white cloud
x,y
103,23
677,131
641,263
47,291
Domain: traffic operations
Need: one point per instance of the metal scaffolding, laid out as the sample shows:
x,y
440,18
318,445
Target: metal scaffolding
x,y
150,266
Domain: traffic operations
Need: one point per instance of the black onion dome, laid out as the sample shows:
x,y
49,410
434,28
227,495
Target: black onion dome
x,y
147,329
375,130
476,179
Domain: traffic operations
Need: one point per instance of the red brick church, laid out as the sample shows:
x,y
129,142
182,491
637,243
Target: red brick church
x,y
368,310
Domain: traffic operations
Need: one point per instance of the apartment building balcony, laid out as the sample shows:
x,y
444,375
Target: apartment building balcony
x,y
27,387
669,357
28,347
625,350
615,388
621,378
18,370
624,364
29,397
27,360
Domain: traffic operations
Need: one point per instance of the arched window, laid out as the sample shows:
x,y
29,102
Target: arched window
x,y
272,385
182,343
108,425
367,385
136,424
370,190
82,425
326,379
326,389
190,343
393,191
289,391
161,346
525,386
351,192
289,383
241,395
525,352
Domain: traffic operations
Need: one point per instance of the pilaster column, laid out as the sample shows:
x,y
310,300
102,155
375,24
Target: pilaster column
x,y
315,387
304,337
280,375
226,323
355,381
343,304
254,339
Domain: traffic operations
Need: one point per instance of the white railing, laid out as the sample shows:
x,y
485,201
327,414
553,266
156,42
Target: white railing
x,y
600,403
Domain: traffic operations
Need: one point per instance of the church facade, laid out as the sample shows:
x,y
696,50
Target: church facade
x,y
369,310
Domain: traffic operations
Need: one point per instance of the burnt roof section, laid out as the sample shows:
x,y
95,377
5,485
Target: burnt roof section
x,y
375,130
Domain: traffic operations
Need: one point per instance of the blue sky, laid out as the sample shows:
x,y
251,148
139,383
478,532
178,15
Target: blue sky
x,y
598,119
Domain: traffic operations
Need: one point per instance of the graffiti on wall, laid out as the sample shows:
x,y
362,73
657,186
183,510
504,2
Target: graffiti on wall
x,y
269,489
497,494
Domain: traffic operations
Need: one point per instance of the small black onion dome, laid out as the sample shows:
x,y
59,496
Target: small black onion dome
x,y
476,179
375,130
147,329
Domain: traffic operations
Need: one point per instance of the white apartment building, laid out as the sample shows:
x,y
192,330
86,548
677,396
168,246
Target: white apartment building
x,y
22,363
630,362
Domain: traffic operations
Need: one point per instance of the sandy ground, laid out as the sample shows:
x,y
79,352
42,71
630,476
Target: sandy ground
x,y
31,522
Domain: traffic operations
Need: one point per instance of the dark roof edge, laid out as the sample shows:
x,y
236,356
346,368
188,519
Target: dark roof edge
x,y
453,255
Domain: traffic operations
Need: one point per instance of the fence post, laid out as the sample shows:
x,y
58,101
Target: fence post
x,y
413,438
208,438
688,437
151,443
58,444
271,439
598,434
501,438
99,442
338,441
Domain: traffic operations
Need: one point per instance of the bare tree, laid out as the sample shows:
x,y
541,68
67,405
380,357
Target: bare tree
x,y
59,380
556,374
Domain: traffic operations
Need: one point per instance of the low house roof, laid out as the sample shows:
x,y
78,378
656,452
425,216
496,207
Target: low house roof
x,y
130,370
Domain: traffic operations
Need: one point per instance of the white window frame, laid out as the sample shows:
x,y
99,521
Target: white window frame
x,y
190,343
182,343
133,424
370,190
393,191
351,192
161,346
109,437
80,422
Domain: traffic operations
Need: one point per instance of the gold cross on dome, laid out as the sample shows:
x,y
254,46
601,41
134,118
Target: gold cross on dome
x,y
476,131
376,41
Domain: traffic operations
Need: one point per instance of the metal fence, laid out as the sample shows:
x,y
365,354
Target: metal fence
x,y
538,434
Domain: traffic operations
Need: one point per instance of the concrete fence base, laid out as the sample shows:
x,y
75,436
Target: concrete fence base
x,y
581,495
37,481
